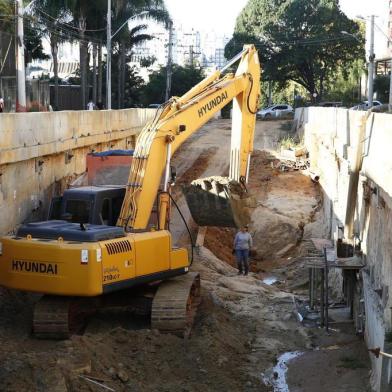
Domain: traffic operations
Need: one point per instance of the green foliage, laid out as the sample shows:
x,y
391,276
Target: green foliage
x,y
345,87
33,35
298,40
381,87
133,87
290,143
183,79
7,22
148,61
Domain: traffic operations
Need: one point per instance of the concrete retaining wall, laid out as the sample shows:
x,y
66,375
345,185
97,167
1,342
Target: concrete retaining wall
x,y
351,152
40,153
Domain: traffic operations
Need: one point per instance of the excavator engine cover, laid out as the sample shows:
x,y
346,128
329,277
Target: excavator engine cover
x,y
219,201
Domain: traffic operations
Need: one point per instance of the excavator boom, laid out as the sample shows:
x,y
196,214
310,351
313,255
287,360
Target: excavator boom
x,y
175,122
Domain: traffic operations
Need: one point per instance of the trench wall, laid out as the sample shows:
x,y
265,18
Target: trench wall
x,y
40,153
351,151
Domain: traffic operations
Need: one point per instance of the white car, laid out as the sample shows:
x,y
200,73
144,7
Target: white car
x,y
365,105
275,111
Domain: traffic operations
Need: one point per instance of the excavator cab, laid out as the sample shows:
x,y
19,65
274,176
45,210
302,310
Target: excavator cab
x,y
90,204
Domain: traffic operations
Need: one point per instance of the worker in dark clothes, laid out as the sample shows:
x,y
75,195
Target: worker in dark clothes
x,y
242,244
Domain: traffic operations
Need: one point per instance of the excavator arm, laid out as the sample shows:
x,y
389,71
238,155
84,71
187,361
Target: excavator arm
x,y
68,261
176,121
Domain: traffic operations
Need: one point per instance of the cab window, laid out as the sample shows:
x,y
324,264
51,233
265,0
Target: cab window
x,y
105,212
79,210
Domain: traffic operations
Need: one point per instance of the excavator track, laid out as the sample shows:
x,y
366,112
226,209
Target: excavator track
x,y
173,309
61,317
175,304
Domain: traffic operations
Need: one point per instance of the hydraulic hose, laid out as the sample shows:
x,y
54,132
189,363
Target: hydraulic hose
x,y
250,92
186,225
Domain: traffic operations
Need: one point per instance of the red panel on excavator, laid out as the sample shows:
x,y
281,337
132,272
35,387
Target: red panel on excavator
x,y
108,169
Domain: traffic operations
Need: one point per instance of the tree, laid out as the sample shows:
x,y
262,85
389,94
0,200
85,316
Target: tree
x,y
7,21
33,35
133,37
53,15
183,79
346,85
133,85
381,87
127,39
87,19
299,40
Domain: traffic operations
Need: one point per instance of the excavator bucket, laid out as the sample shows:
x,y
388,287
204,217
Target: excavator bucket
x,y
219,201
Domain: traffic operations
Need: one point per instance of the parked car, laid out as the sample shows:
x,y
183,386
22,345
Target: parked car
x,y
275,111
365,105
330,104
154,106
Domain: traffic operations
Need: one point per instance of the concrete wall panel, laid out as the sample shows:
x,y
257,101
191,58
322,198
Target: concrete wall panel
x,y
351,152
33,152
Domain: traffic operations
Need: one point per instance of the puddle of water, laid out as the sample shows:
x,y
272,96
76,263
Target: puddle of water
x,y
276,377
270,280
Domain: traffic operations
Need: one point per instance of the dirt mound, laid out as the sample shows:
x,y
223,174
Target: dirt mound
x,y
286,203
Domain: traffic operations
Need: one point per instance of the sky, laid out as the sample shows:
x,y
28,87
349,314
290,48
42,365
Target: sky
x,y
206,15
364,7
220,15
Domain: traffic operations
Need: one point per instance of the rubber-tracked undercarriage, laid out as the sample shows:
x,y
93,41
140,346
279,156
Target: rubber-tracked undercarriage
x,y
172,305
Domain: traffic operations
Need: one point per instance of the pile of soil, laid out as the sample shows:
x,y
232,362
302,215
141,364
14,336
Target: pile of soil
x,y
287,201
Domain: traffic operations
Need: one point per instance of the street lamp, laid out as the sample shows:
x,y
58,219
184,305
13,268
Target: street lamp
x,y
109,37
373,56
351,35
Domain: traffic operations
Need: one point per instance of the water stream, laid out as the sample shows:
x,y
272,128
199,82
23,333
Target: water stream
x,y
276,376
270,280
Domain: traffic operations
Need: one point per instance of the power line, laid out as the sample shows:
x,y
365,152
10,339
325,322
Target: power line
x,y
304,43
62,32
69,25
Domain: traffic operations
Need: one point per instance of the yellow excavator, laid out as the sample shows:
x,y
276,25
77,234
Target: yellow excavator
x,y
87,249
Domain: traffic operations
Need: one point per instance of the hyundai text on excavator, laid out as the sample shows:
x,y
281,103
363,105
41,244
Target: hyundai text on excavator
x,y
78,259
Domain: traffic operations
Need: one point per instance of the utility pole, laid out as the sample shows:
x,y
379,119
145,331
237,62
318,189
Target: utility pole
x,y
371,63
169,63
390,88
109,57
269,92
20,60
191,55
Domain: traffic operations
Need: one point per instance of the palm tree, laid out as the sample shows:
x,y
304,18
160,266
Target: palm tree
x,y
126,42
127,39
89,22
53,14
